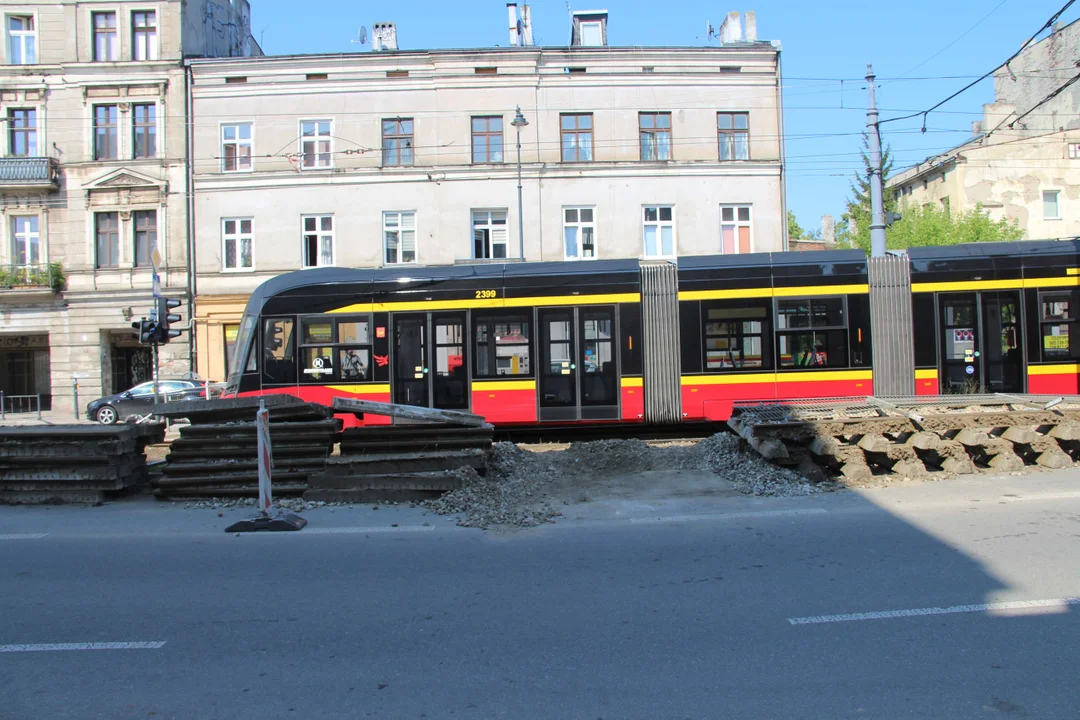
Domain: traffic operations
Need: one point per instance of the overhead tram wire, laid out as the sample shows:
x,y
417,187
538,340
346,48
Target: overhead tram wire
x,y
1048,24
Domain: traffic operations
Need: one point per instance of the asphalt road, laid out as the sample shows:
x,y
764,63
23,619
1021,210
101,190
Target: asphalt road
x,y
941,600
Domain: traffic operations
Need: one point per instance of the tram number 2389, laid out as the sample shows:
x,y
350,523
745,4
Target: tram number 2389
x,y
485,294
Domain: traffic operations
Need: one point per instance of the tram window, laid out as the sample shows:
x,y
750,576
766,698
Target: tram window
x,y
502,345
318,330
735,337
815,349
353,331
449,348
279,351
812,332
1058,317
597,345
354,364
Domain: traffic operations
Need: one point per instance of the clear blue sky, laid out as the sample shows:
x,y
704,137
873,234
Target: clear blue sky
x,y
917,42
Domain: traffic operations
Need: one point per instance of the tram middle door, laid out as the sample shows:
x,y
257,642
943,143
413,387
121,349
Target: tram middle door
x,y
430,368
410,377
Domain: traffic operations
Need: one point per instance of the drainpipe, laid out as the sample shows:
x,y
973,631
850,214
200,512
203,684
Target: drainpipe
x,y
783,154
189,181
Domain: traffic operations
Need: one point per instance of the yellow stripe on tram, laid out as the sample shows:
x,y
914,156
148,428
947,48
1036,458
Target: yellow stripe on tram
x,y
926,374
475,303
1053,369
760,292
490,385
632,382
381,389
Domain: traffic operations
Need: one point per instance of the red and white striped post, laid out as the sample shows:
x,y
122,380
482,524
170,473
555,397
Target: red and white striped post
x,y
262,429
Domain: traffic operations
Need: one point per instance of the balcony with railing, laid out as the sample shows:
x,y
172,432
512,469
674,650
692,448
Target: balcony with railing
x,y
19,174
41,278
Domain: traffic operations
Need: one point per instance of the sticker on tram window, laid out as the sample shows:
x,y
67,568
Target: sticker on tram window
x,y
485,294
380,332
1056,342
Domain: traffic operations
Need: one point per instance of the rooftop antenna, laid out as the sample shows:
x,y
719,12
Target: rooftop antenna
x,y
710,32
361,36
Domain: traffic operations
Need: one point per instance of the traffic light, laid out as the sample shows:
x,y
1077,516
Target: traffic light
x,y
165,318
891,217
146,329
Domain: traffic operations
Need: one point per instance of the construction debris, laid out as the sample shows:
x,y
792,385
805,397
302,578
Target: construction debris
x,y
73,463
858,441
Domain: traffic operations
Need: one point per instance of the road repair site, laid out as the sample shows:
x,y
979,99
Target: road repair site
x,y
449,463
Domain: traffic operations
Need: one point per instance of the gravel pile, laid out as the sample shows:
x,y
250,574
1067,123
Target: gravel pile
x,y
524,489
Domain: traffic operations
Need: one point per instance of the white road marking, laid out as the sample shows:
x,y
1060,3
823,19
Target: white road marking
x,y
361,530
732,516
22,536
1053,605
1044,496
53,647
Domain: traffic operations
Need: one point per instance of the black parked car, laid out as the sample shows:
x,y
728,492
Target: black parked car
x,y
140,399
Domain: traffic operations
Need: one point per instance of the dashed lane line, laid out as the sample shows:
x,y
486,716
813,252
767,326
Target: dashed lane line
x,y
1052,605
22,536
728,516
58,647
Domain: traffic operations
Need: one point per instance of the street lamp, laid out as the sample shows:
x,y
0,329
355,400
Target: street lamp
x,y
519,122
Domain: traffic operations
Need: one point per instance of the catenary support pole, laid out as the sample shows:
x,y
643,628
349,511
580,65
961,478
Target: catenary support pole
x,y
154,350
877,208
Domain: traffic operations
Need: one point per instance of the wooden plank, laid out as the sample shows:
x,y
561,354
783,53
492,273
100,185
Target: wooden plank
x,y
408,412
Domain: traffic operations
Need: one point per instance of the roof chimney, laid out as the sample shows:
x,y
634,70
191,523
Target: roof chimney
x,y
526,25
731,29
750,18
589,28
383,36
511,11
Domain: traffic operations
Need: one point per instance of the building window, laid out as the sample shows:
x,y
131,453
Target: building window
x,y
107,232
487,140
106,43
1051,204
737,335
945,205
735,235
22,133
1058,319
399,234
591,34
25,240
236,240
144,130
811,332
144,35
318,240
236,143
315,144
655,135
659,230
1074,151
733,131
579,233
106,133
21,40
489,234
145,222
577,140
397,142
502,344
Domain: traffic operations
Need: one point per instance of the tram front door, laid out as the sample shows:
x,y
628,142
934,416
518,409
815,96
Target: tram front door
x,y
429,362
981,343
578,371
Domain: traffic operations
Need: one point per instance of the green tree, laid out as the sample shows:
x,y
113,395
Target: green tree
x,y
853,229
796,231
934,225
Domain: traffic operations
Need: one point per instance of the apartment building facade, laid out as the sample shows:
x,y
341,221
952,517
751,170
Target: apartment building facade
x,y
93,186
1022,162
409,158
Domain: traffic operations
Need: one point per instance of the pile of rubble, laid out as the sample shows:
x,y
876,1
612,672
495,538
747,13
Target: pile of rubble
x,y
525,488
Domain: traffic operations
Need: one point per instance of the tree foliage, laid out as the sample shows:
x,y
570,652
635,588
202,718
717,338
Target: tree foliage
x,y
919,226
796,231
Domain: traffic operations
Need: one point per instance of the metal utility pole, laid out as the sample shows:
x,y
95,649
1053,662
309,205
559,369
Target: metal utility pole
x,y
519,122
877,207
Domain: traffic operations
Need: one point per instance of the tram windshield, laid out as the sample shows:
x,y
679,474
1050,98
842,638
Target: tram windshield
x,y
243,357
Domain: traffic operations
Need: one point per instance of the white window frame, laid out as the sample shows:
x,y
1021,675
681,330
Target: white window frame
x,y
26,237
490,227
322,237
1074,151
579,225
392,223
598,27
659,235
11,35
316,138
736,224
238,236
154,45
119,30
239,143
1057,204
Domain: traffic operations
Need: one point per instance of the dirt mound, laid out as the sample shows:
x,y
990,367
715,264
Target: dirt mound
x,y
525,488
